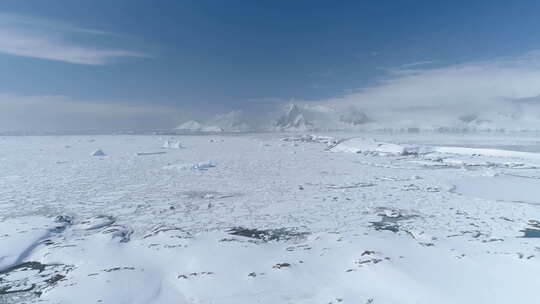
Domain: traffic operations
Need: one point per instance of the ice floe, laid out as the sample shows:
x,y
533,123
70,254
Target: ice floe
x,y
172,144
310,139
150,153
98,152
373,147
203,166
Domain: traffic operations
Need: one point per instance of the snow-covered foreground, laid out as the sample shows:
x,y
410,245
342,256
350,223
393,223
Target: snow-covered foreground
x,y
259,219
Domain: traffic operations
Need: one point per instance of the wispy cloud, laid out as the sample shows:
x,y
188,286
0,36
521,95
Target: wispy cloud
x,y
417,63
44,39
471,83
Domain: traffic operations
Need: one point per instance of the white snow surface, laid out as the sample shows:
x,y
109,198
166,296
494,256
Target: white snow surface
x,y
197,127
369,146
270,219
172,144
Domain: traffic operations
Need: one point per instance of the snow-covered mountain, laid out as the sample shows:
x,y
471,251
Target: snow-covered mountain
x,y
234,121
505,115
354,117
321,117
293,119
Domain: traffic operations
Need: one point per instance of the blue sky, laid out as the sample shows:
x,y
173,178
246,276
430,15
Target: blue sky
x,y
224,55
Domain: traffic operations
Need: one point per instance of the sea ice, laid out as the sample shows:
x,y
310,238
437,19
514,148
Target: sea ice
x,y
172,144
98,152
278,223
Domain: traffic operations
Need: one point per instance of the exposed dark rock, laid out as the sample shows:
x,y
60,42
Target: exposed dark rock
x,y
281,265
281,234
31,277
194,274
390,220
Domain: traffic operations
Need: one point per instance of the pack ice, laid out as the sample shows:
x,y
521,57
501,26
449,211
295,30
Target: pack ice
x,y
270,218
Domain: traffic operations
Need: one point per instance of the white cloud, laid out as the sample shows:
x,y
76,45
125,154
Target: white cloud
x,y
411,96
38,38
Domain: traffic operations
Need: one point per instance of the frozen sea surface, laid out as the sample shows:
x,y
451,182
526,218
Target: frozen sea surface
x,y
270,218
517,189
